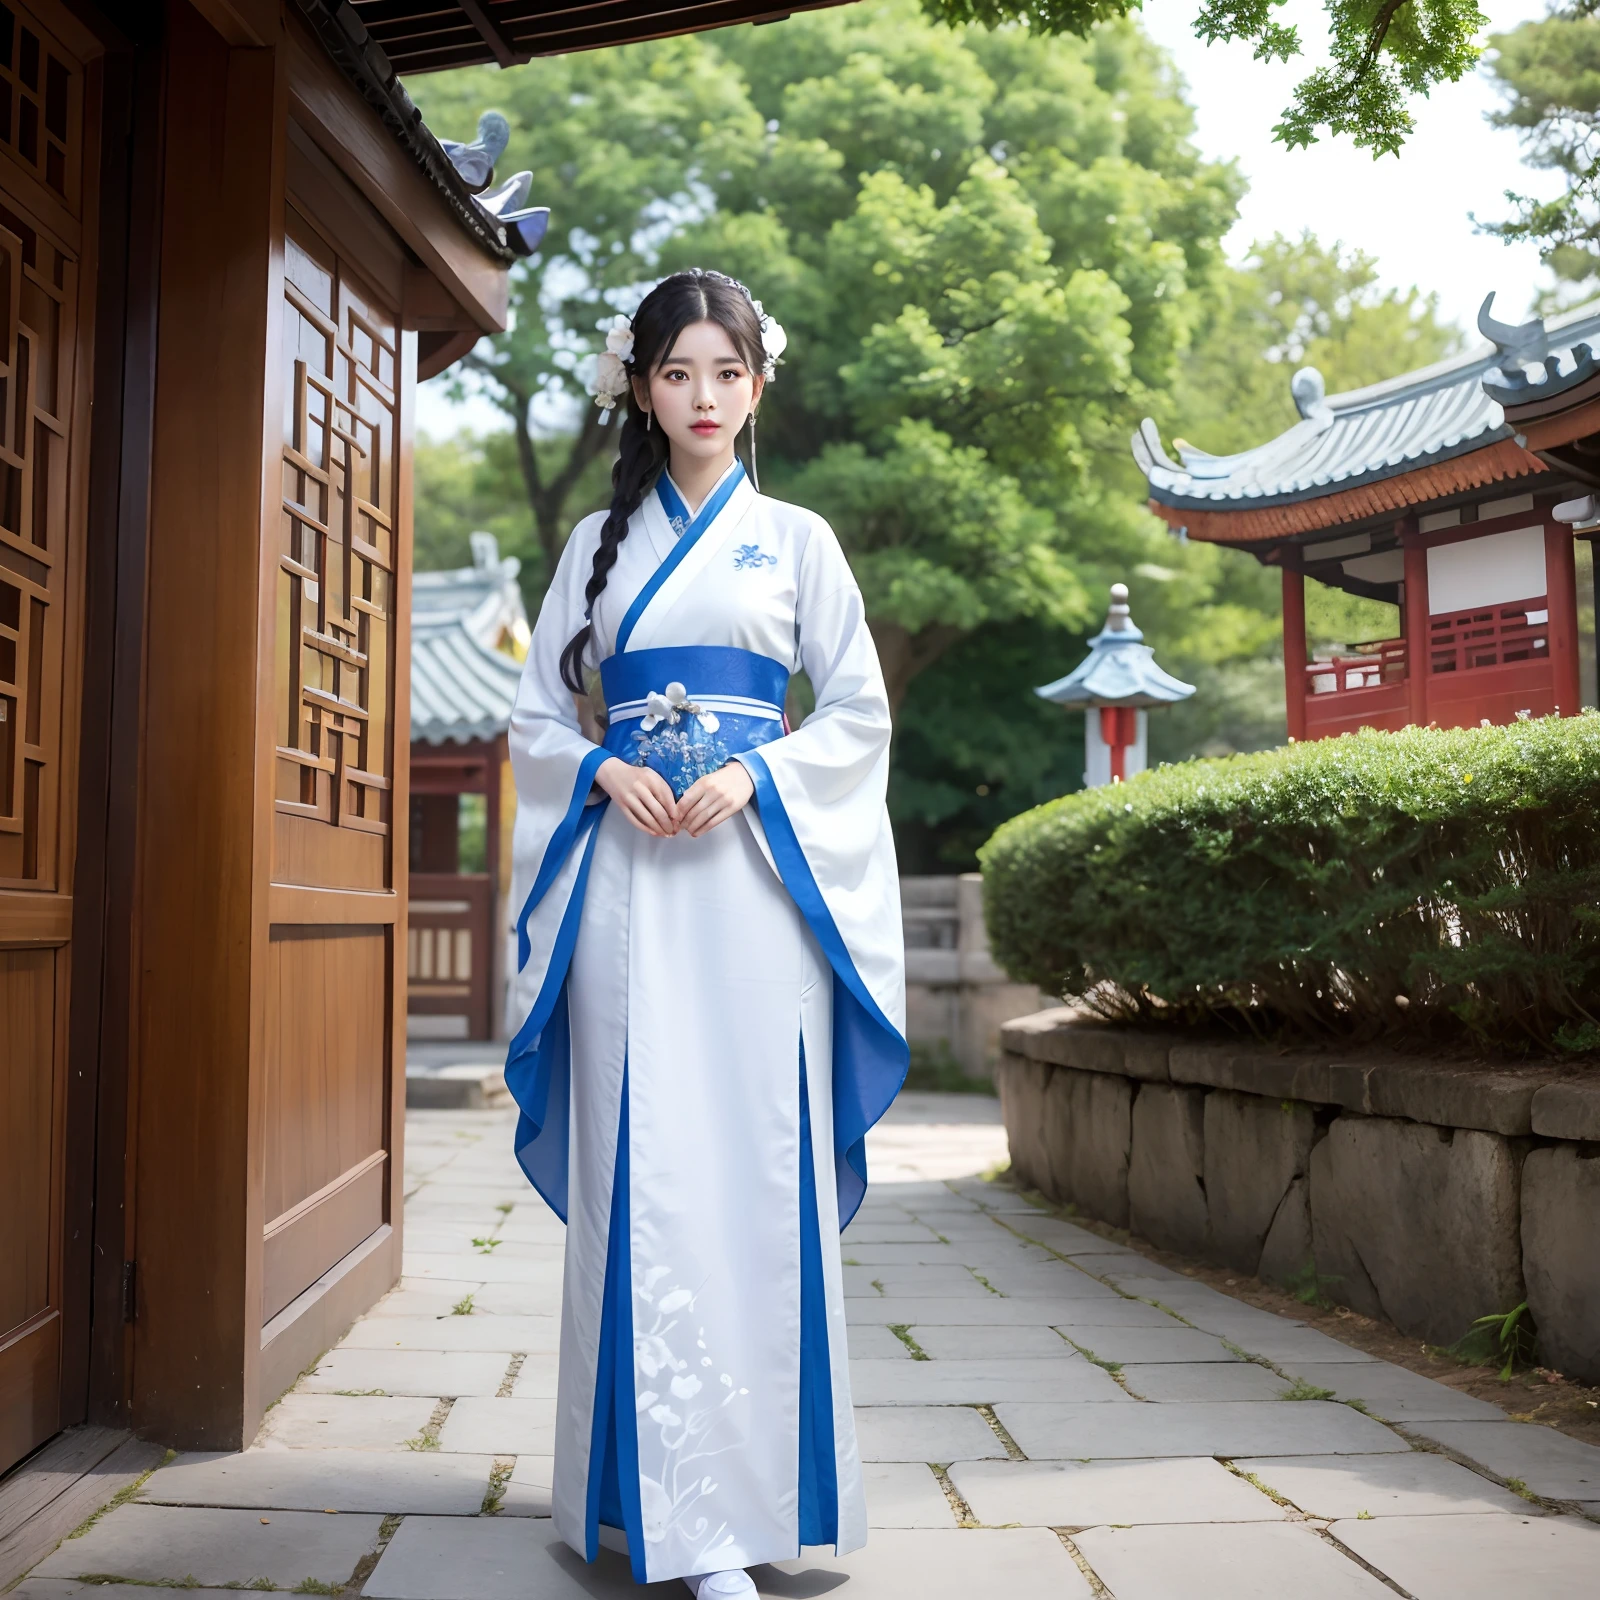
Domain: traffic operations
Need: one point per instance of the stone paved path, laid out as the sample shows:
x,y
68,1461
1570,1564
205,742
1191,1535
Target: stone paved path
x,y
1044,1415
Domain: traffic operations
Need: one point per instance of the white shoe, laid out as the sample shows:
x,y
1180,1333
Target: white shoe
x,y
734,1585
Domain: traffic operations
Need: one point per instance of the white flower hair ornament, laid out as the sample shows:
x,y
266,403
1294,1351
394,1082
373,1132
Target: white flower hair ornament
x,y
611,371
774,341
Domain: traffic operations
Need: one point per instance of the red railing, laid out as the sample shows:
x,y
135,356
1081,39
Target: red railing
x,y
1368,666
1493,636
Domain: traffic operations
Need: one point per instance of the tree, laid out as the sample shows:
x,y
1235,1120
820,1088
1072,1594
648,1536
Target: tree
x,y
983,245
1383,52
1550,73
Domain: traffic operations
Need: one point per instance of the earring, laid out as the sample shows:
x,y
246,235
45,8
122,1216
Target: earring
x,y
755,477
649,421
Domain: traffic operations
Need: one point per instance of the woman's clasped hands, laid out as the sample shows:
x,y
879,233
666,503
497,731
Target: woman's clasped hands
x,y
646,799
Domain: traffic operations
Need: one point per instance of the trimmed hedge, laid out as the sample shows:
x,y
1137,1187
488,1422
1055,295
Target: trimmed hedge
x,y
1443,883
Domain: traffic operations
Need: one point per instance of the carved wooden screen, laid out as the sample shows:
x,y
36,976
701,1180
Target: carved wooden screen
x,y
330,981
336,569
41,469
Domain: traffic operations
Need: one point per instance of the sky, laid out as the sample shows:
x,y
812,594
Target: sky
x,y
1412,213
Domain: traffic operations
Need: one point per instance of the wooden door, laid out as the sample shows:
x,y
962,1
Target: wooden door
x,y
44,295
331,981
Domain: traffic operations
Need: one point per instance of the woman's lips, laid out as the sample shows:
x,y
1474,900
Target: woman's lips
x,y
705,427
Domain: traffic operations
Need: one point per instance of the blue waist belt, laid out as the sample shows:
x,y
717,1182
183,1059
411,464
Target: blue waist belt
x,y
685,710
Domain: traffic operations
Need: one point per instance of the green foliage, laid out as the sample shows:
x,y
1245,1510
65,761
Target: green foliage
x,y
1433,883
1301,1390
1549,71
1506,1339
1384,52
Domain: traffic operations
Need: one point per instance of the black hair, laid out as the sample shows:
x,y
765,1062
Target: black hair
x,y
686,297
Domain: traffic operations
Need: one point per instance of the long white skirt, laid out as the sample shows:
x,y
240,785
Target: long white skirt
x,y
695,974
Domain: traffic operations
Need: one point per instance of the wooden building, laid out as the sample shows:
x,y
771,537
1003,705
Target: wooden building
x,y
228,250
469,636
1433,492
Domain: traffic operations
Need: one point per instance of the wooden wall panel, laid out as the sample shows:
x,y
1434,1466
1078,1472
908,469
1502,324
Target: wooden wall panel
x,y
202,933
46,296
327,1001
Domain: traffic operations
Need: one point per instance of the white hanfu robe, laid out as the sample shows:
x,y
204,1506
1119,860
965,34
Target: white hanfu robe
x,y
709,1027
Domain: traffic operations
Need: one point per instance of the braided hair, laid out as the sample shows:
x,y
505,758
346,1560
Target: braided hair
x,y
676,302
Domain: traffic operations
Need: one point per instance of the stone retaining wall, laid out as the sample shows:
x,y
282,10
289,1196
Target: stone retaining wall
x,y
1427,1193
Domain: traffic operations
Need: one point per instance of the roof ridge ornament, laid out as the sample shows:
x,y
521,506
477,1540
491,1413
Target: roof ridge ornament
x,y
475,162
1527,341
1309,390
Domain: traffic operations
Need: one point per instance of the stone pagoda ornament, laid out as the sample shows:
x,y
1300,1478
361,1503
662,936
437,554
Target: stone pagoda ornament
x,y
1114,685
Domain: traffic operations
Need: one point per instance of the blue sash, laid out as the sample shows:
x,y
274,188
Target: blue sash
x,y
686,710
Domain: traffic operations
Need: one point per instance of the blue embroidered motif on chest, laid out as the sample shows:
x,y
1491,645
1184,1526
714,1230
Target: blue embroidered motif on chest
x,y
752,555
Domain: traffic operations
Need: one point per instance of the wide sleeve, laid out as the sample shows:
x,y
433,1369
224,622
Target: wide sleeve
x,y
552,760
821,795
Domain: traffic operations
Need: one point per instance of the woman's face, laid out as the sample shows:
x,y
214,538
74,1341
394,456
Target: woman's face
x,y
702,393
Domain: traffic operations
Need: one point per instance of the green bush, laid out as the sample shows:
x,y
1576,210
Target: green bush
x,y
1436,883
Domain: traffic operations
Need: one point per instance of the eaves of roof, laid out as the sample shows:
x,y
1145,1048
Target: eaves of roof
x,y
363,61
461,690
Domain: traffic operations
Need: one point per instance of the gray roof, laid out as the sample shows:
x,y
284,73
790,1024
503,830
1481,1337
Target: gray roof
x,y
1119,670
1346,440
463,685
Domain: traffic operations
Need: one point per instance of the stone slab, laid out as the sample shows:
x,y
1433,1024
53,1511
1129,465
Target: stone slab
x,y
1560,1211
528,1490
1166,1168
930,1564
1074,1494
488,1269
980,1382
1459,1255
325,1480
537,1378
1088,1136
1068,1239
907,1232
1480,1557
510,1427
1547,1462
1145,1345
1210,1380
1393,1393
1225,1561
1023,1280
418,1372
1417,1484
216,1547
514,1299
498,1558
993,1311
905,1494
930,1283
1179,1428
71,1589
870,1342
1021,1085
1459,1095
983,1344
929,1433
1285,1345
1255,1149
1063,1037
341,1422
1569,1109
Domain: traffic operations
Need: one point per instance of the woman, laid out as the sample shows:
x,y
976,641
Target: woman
x,y
712,979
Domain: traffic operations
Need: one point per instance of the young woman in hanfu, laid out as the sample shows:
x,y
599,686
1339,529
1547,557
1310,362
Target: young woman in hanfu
x,y
711,972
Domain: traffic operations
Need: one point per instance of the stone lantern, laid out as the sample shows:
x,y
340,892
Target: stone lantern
x,y
1114,684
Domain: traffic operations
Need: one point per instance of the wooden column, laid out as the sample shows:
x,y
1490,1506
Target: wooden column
x,y
1294,648
1561,580
201,920
1416,620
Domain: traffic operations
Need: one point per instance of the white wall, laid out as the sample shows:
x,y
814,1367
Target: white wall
x,y
1487,571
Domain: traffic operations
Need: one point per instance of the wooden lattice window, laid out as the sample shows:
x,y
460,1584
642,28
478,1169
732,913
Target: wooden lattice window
x,y
40,103
336,561
37,296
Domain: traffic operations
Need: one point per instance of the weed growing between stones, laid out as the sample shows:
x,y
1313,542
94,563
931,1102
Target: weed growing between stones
x,y
462,1307
428,1439
1301,1390
1506,1340
902,1331
120,1498
494,1496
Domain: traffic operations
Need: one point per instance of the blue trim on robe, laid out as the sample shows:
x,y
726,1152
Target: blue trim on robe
x,y
819,1462
539,1057
676,513
561,838
870,1055
613,1497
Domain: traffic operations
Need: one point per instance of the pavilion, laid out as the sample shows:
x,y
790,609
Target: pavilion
x,y
1448,493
